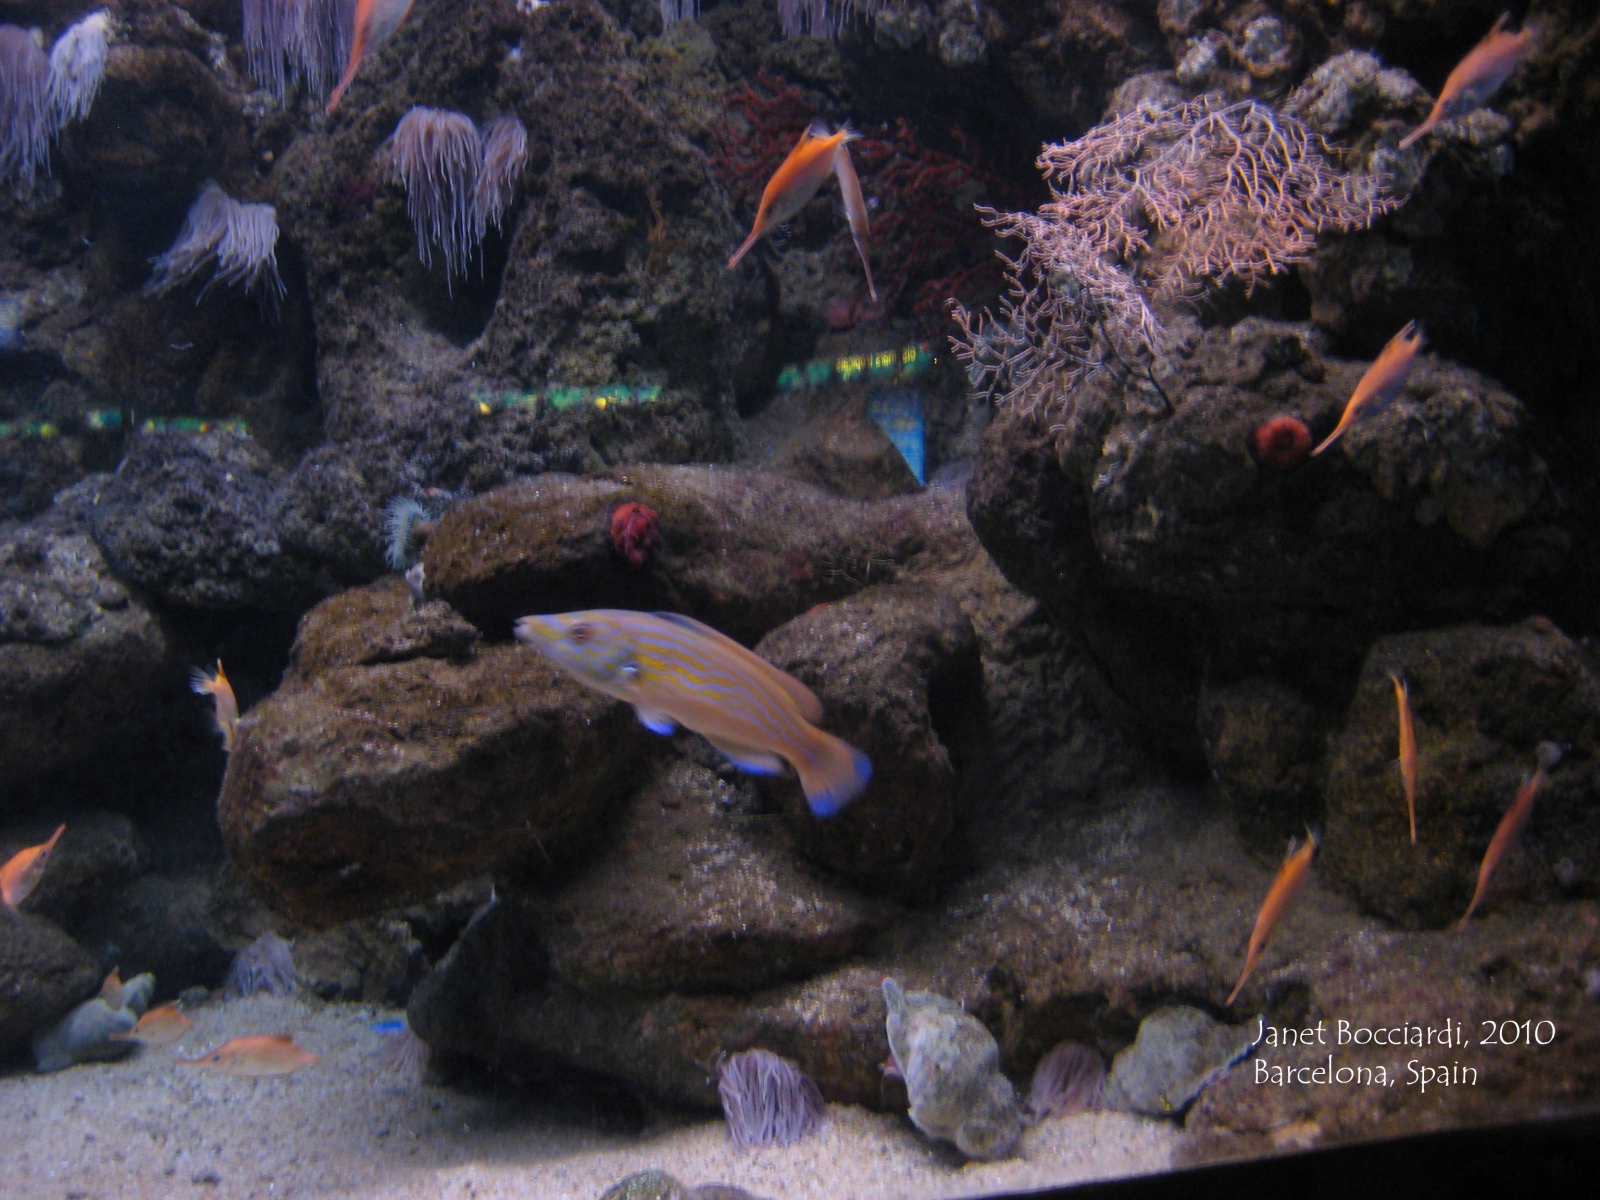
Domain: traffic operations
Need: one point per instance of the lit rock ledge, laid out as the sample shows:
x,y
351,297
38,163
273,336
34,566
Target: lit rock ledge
x,y
399,758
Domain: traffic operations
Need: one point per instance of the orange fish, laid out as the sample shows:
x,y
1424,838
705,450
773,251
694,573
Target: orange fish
x,y
21,873
1408,750
855,208
1549,754
158,1027
1476,77
375,21
794,183
111,990
1381,383
227,704
254,1057
1291,878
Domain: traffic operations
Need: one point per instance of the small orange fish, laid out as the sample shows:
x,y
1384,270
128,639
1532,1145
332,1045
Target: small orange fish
x,y
1381,383
158,1027
1291,878
1408,750
376,20
855,208
254,1057
1549,754
21,873
111,990
795,181
1476,77
227,704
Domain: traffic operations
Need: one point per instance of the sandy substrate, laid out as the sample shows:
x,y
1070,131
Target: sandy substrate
x,y
346,1127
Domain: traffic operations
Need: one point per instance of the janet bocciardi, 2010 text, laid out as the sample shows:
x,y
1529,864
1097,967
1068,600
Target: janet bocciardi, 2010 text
x,y
1450,1035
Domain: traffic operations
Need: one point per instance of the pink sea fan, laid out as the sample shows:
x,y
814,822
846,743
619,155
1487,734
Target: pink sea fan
x,y
239,240
1068,1079
25,117
297,40
504,151
435,154
767,1100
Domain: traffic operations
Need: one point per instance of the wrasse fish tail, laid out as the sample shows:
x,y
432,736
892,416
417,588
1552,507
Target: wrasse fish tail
x,y
834,777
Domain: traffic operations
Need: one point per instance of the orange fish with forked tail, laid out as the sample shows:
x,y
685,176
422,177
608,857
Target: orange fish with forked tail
x,y
1408,750
376,20
21,873
1291,878
1549,754
794,183
254,1057
227,715
158,1027
1381,383
1476,77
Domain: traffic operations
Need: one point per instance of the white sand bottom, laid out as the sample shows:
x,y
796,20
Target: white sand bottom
x,y
345,1127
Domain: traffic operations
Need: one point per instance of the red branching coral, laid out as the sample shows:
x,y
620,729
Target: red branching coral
x,y
1281,442
635,530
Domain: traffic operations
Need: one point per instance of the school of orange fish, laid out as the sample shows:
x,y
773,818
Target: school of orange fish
x,y
676,671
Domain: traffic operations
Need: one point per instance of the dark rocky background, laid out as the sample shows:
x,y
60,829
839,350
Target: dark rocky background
x,y
1104,672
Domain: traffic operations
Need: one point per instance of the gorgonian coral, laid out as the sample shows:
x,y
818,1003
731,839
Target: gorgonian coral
x,y
1149,212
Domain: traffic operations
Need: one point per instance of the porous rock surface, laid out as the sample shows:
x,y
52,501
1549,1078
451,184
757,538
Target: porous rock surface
x,y
82,661
695,892
43,973
1482,699
743,551
365,782
898,671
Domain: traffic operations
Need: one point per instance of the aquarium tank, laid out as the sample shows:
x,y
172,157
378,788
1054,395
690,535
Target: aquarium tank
x,y
618,600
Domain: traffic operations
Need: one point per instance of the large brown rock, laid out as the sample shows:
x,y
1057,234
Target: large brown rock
x,y
898,671
1482,698
43,973
392,764
743,551
697,893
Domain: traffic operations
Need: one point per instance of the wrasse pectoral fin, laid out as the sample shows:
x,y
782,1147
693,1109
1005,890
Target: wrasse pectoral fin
x,y
746,758
656,722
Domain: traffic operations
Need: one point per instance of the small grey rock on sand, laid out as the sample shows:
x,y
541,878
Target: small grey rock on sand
x,y
1177,1053
84,1034
951,1065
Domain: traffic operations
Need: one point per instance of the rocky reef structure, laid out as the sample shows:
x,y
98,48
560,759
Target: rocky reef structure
x,y
1103,671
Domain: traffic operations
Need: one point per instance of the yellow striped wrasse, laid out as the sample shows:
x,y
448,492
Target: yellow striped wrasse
x,y
676,671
